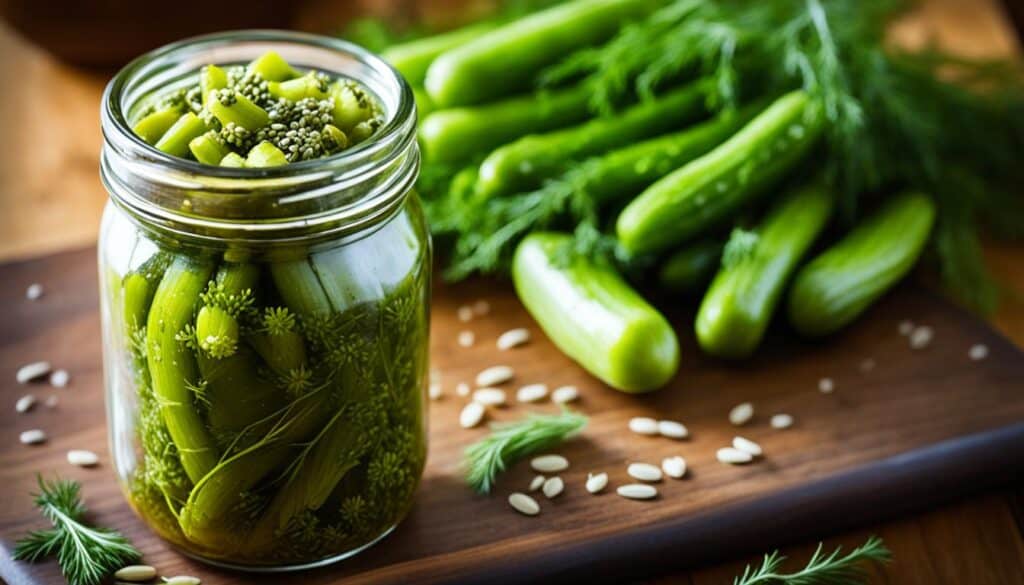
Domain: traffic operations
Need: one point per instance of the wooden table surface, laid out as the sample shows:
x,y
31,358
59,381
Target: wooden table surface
x,y
51,198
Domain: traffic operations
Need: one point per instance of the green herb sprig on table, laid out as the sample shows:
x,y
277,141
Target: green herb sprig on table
x,y
821,569
86,554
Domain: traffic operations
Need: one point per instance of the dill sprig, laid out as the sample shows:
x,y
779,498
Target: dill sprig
x,y
86,555
510,442
821,569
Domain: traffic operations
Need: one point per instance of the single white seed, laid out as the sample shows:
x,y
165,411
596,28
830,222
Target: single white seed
x,y
733,456
435,391
490,396
596,483
82,458
136,573
921,337
524,504
532,393
672,429
60,378
513,338
674,467
33,437
481,308
826,385
51,402
494,376
462,389
465,313
781,421
644,472
549,463
552,487
30,372
34,291
867,365
906,327
471,415
435,375
741,414
182,580
565,394
746,445
643,425
537,483
466,339
978,352
25,403
637,491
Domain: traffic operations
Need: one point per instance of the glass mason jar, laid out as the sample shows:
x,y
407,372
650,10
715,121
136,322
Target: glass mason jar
x,y
265,330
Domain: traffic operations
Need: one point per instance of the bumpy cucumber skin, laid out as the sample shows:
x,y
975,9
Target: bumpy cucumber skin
x,y
843,281
594,317
702,194
505,60
742,298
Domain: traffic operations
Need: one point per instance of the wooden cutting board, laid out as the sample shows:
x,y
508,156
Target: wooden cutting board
x,y
919,427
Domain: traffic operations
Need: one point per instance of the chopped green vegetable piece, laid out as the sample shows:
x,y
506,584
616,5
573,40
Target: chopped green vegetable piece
x,y
211,78
208,148
334,139
311,85
232,159
233,108
177,138
155,125
351,104
265,154
272,67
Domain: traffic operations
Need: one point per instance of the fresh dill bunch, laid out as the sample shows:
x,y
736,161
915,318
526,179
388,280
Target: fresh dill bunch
x,y
509,442
278,321
742,244
821,569
86,555
234,304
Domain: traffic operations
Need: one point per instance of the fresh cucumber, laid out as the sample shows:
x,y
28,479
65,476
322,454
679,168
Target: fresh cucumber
x,y
691,267
412,58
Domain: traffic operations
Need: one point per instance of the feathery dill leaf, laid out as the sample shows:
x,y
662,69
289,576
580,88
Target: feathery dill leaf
x,y
821,569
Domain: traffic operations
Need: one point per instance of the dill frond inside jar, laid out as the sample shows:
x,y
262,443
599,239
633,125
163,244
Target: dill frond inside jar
x,y
265,289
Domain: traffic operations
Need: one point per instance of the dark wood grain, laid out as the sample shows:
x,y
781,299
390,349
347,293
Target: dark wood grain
x,y
923,426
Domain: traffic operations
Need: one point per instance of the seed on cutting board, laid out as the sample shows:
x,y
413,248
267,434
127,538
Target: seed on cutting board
x,y
494,375
978,352
434,391
637,491
921,337
532,393
182,580
435,375
490,396
465,313
552,487
672,429
136,573
867,365
781,421
537,483
596,482
674,466
481,308
32,437
741,414
60,378
644,472
30,372
462,389
565,394
471,415
826,385
513,338
643,425
748,446
733,456
524,504
51,402
25,403
82,458
466,339
34,291
906,327
549,463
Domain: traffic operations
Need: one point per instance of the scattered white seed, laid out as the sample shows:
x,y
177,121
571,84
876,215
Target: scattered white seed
x,y
34,291
466,339
921,337
672,429
32,437
746,445
552,487
674,466
513,338
435,375
565,394
524,504
465,313
136,573
537,483
532,393
733,456
637,491
471,415
826,385
182,580
549,463
596,483
435,391
30,372
51,402
643,425
906,327
644,472
481,308
867,365
25,403
782,421
462,389
82,458
741,414
494,375
978,352
490,396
